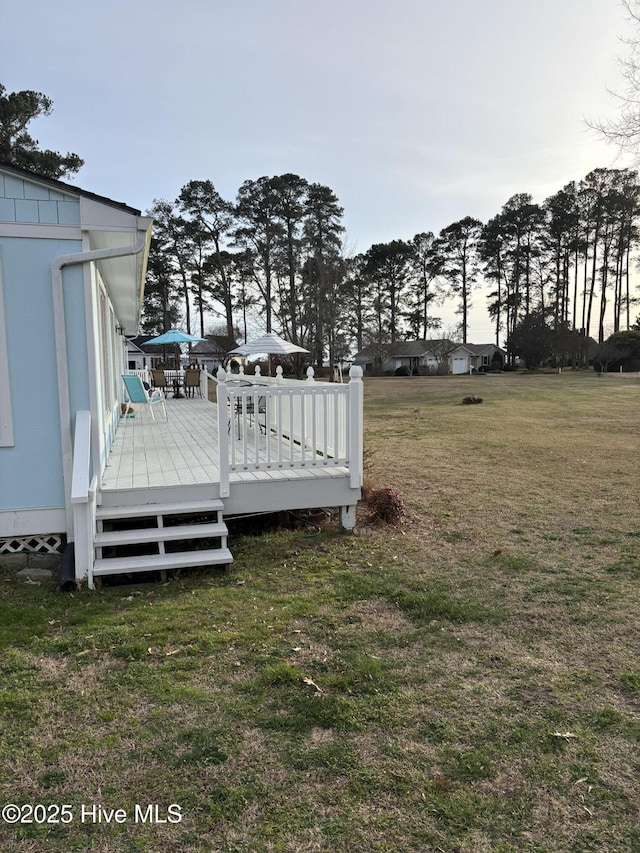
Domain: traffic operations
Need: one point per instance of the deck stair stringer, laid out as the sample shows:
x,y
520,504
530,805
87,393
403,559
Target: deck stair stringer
x,y
147,537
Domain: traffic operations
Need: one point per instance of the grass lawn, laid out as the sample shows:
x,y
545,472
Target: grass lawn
x,y
467,680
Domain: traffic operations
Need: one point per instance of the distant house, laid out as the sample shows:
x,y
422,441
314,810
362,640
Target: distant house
x,y
137,359
437,355
147,356
214,352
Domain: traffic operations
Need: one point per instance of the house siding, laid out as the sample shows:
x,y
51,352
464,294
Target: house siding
x,y
31,470
28,202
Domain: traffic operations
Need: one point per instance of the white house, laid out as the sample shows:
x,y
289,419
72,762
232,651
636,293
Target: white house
x,y
438,356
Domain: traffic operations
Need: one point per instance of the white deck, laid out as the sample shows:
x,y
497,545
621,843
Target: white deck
x,y
183,452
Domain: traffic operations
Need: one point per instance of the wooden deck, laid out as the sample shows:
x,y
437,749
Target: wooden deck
x,y
181,452
178,460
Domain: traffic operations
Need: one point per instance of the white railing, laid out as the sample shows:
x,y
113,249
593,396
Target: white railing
x,y
83,498
267,423
143,373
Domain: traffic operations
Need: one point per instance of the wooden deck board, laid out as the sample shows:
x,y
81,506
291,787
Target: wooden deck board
x,y
181,452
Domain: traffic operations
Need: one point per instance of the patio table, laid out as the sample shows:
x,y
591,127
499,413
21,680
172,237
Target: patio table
x,y
176,378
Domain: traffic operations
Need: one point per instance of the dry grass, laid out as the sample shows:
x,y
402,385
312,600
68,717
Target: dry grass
x,y
466,680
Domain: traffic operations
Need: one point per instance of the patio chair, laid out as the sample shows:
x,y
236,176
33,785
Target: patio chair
x,y
139,396
159,379
248,406
192,382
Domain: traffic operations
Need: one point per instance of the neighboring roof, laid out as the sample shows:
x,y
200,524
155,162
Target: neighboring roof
x,y
478,349
140,342
214,345
403,349
66,188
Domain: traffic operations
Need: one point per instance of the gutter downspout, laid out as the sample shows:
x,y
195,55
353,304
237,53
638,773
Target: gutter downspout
x,y
62,363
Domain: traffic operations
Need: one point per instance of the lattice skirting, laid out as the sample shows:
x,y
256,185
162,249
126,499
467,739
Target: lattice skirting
x,y
50,544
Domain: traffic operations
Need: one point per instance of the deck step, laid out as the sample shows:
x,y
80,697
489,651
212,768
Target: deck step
x,y
147,510
160,534
158,562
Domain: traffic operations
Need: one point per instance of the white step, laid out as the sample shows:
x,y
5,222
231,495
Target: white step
x,y
145,510
157,562
160,534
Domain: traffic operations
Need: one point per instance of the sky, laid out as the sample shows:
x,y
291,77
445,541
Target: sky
x,y
415,112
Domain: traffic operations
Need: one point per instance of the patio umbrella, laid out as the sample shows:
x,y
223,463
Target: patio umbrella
x,y
270,344
173,336
176,337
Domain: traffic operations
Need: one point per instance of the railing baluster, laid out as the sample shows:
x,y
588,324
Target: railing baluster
x,y
316,420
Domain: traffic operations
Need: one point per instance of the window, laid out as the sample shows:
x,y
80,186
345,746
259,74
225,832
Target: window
x,y
6,419
107,350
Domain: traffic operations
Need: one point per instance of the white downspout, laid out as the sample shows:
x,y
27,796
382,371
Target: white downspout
x,y
62,364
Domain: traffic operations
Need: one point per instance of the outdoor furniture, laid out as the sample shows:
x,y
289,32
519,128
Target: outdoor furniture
x,y
176,379
159,379
247,405
139,396
192,381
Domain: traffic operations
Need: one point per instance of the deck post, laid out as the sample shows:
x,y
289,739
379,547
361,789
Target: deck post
x,y
348,517
355,426
223,433
204,384
83,498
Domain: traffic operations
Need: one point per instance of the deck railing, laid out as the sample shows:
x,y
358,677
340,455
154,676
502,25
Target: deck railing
x,y
274,424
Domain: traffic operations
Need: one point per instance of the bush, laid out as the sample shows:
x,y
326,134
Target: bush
x,y
385,504
403,371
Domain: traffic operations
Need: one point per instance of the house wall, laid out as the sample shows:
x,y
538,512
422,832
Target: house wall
x,y
31,476
26,201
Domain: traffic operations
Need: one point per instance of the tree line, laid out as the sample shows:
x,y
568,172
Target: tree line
x,y
276,253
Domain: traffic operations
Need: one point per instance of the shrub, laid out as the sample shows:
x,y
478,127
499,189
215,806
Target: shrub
x,y
384,503
403,371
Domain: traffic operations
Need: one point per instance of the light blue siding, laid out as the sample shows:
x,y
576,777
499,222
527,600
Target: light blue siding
x,y
68,212
31,471
13,187
26,210
7,210
25,201
35,191
48,212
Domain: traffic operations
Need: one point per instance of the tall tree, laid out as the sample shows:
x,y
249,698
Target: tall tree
x,y
325,271
491,251
290,196
160,310
624,131
18,147
174,238
387,267
257,230
459,245
212,217
427,264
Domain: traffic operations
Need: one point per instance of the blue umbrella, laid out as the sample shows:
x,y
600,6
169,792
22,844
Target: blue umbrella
x,y
174,336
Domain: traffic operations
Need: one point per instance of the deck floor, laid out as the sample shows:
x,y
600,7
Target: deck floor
x,y
181,452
